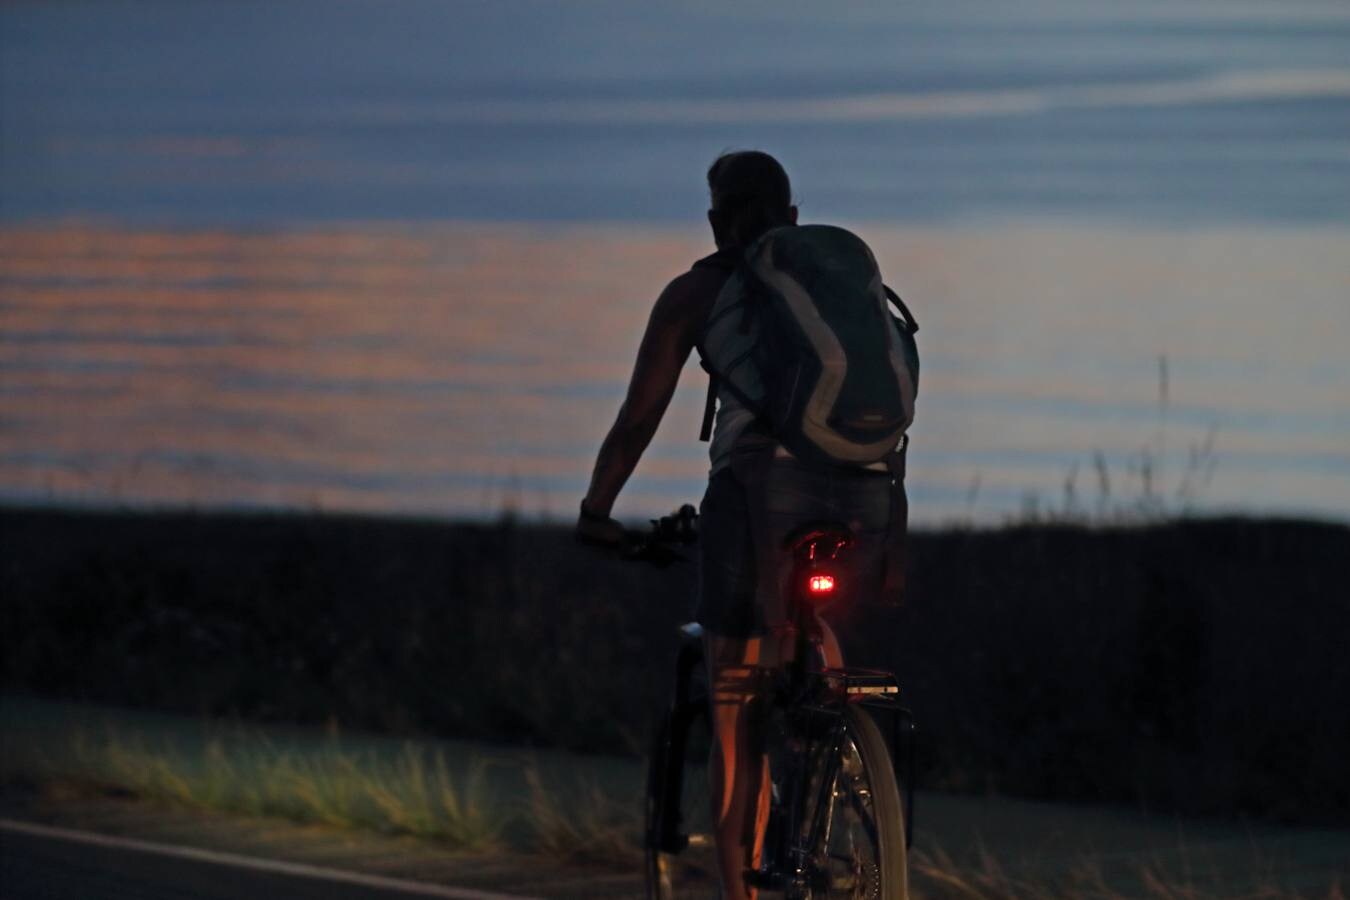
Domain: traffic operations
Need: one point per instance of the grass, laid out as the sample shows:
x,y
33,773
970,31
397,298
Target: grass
x,y
1155,488
466,799
415,793
936,876
473,802
595,827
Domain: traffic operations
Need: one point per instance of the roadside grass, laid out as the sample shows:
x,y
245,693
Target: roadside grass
x,y
472,801
462,798
599,828
415,792
934,875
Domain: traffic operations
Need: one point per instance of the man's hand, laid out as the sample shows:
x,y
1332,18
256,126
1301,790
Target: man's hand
x,y
593,528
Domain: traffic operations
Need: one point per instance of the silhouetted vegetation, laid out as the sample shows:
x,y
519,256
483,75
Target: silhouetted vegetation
x,y
1195,666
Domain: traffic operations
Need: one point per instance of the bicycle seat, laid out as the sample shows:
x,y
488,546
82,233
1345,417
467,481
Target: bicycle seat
x,y
818,540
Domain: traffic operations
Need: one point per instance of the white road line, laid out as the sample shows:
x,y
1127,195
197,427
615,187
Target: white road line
x,y
299,870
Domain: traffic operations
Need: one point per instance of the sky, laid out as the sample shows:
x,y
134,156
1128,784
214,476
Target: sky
x,y
397,257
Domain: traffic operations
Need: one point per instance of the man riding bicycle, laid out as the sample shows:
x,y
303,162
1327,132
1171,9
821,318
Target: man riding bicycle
x,y
758,491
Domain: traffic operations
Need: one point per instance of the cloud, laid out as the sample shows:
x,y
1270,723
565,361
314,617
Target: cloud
x,y
1229,87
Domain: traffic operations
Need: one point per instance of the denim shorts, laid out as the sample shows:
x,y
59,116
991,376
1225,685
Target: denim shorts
x,y
730,599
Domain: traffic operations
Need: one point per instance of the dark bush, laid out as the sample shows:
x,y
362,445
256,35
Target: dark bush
x,y
1197,666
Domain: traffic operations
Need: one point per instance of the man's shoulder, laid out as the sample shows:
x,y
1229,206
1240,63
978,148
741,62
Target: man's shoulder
x,y
709,273
724,261
691,294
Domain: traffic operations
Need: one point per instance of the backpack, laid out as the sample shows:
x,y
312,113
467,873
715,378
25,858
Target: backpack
x,y
803,336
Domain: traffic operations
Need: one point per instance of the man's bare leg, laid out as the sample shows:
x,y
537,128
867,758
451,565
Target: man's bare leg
x,y
737,768
832,655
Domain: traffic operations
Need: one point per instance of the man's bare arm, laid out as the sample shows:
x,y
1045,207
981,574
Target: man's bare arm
x,y
671,332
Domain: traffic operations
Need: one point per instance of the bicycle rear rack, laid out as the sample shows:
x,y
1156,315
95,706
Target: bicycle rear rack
x,y
902,748
863,682
878,691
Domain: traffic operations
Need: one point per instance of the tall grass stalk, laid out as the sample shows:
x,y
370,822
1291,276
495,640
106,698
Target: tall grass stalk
x,y
1144,495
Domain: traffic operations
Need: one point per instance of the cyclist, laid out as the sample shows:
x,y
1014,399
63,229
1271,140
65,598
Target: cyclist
x,y
757,493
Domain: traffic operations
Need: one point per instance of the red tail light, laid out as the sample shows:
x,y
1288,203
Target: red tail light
x,y
820,584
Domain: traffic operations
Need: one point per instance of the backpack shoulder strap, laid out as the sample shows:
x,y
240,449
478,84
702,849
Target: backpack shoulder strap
x,y
893,584
910,324
715,383
726,260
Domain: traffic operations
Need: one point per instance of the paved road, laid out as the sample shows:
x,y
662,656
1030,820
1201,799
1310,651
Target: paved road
x,y
98,849
40,863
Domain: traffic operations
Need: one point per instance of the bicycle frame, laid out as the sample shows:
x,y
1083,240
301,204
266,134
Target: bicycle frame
x,y
809,704
813,690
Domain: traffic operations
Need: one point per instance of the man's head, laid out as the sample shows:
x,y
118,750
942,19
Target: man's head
x,y
750,194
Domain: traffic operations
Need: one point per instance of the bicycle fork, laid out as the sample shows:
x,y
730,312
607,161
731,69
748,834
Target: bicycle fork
x,y
668,836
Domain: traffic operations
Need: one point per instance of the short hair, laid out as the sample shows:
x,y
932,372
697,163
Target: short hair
x,y
752,189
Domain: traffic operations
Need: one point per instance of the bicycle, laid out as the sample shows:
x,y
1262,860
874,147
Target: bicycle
x,y
837,825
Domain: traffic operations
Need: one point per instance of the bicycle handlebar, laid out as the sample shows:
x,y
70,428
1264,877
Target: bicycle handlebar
x,y
656,545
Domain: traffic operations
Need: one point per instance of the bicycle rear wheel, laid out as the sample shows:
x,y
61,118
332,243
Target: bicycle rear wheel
x,y
861,855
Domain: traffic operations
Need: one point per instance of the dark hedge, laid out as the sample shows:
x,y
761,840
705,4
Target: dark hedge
x,y
1196,666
